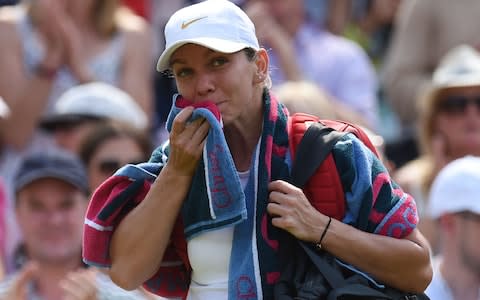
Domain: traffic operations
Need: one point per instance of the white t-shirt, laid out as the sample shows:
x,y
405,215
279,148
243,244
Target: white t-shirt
x,y
438,289
210,280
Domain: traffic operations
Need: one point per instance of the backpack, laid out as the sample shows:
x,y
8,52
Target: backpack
x,y
318,174
311,274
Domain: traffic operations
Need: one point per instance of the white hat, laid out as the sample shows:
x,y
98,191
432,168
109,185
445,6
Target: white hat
x,y
96,100
216,24
456,188
460,67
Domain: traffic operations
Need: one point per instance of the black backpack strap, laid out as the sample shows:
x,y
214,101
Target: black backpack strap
x,y
335,278
317,142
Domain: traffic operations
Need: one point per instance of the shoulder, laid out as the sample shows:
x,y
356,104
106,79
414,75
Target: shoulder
x,y
412,172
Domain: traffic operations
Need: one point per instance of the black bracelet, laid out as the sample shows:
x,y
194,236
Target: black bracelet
x,y
319,244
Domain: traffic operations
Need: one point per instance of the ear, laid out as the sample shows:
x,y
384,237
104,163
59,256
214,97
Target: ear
x,y
262,63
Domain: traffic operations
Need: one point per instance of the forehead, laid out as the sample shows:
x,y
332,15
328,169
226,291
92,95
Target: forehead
x,y
191,52
48,191
119,146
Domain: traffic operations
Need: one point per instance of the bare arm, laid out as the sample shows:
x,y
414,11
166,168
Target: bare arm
x,y
408,66
146,230
271,33
26,95
138,65
401,263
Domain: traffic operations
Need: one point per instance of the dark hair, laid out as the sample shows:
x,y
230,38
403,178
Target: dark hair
x,y
250,53
107,130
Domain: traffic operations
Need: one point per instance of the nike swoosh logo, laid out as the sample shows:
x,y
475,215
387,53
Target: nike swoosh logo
x,y
186,24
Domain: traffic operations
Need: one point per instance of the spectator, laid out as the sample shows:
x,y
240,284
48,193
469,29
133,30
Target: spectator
x,y
80,107
449,127
51,199
55,45
300,50
110,145
425,30
455,206
74,114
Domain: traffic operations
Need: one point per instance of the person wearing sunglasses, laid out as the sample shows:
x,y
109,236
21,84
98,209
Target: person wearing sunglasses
x,y
449,127
111,145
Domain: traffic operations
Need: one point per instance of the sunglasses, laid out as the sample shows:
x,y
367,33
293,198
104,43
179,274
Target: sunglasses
x,y
110,166
457,104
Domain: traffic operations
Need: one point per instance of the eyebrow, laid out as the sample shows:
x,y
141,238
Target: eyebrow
x,y
207,53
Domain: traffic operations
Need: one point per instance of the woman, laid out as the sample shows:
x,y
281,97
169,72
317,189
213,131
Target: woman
x,y
110,145
55,45
449,128
213,53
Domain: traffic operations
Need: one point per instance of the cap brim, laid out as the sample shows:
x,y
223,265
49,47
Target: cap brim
x,y
211,43
53,122
51,173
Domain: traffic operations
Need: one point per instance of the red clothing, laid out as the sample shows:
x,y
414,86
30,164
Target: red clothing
x,y
139,7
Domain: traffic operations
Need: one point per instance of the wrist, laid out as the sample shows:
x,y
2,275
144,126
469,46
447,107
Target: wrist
x,y
318,244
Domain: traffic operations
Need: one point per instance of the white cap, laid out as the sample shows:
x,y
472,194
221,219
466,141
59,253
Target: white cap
x,y
456,188
97,100
460,67
216,24
4,109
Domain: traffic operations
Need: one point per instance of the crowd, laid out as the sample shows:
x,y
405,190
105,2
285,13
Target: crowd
x,y
90,93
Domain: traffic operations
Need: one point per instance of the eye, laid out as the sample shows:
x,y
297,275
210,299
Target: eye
x,y
183,72
218,61
67,203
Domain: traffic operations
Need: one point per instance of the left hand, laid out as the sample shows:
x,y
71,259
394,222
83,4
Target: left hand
x,y
80,285
291,211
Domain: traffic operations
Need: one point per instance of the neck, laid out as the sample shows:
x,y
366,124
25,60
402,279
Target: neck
x,y
47,284
243,134
463,283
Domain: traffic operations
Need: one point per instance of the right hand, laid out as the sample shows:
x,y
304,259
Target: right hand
x,y
186,142
19,287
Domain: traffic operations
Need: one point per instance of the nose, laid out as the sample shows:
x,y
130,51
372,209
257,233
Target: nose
x,y
56,217
205,85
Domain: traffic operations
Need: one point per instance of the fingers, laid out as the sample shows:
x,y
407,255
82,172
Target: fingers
x,y
18,290
80,285
283,187
180,120
187,139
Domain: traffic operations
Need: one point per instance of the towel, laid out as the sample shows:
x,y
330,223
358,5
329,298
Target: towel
x,y
217,195
253,266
